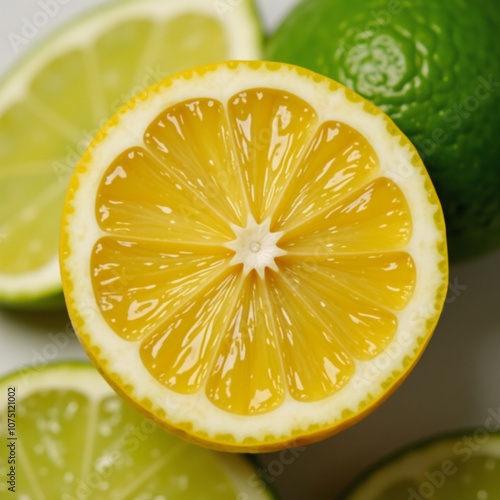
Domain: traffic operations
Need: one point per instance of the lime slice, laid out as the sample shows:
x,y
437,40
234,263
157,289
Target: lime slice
x,y
69,436
459,466
56,99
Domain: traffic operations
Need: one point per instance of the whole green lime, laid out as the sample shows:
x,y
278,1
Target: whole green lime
x,y
434,67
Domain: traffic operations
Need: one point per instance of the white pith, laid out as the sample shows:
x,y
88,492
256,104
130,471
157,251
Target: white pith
x,y
44,280
255,246
195,413
242,33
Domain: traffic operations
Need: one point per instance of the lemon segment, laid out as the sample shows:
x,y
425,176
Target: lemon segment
x,y
375,218
129,203
249,342
124,273
270,131
338,161
327,367
189,338
213,179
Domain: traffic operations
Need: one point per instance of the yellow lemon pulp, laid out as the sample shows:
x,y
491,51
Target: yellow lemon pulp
x,y
254,256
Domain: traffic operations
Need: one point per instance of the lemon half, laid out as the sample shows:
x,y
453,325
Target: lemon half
x,y
253,255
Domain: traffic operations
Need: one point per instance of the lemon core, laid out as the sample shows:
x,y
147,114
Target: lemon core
x,y
255,246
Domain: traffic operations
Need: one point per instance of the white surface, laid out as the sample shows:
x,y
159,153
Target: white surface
x,y
454,385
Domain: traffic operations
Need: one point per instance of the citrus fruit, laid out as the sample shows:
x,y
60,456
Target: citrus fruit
x,y
463,465
253,255
70,436
54,101
434,68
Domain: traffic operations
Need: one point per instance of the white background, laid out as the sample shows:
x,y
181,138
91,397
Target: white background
x,y
453,387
